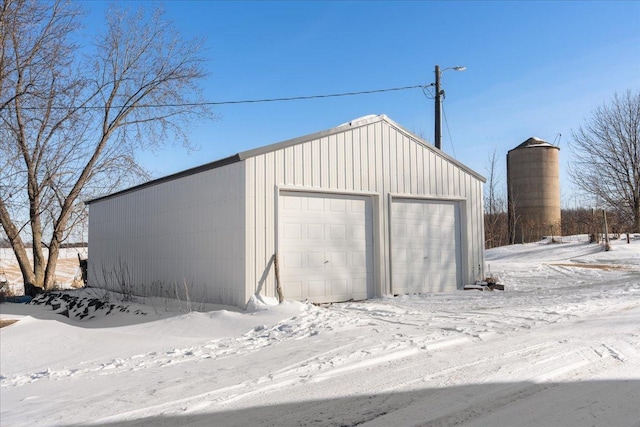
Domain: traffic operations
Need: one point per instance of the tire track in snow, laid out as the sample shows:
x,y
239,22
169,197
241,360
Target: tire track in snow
x,y
327,365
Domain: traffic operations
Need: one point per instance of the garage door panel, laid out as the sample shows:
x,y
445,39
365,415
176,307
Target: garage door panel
x,y
399,230
447,278
292,231
315,231
359,260
360,283
446,228
358,232
316,288
419,230
425,246
337,205
291,260
400,256
338,259
294,290
356,206
332,253
291,204
316,259
312,205
340,287
414,283
338,231
447,253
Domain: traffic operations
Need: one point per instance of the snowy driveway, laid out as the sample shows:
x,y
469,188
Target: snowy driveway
x,y
561,346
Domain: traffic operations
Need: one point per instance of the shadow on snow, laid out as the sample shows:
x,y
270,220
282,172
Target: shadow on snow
x,y
593,403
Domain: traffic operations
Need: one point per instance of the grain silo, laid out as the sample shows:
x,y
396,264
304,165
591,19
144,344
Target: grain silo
x,y
533,183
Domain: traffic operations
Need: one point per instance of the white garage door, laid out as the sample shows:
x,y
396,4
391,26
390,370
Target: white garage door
x,y
325,247
425,246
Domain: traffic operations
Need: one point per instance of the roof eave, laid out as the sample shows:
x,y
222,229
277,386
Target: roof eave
x,y
192,171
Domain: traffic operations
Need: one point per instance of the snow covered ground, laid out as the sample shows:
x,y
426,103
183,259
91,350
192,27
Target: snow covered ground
x,y
560,346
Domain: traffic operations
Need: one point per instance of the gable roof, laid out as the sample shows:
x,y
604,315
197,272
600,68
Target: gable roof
x,y
359,122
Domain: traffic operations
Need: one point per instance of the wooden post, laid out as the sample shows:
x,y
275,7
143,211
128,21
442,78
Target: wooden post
x,y
278,287
606,231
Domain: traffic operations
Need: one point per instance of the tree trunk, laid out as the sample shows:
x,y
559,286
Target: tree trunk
x,y
36,241
16,244
58,231
54,250
38,257
52,263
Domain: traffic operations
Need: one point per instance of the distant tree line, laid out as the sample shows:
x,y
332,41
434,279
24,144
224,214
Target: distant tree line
x,y
574,221
5,244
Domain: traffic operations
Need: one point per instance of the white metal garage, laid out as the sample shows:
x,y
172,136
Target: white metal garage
x,y
358,211
326,246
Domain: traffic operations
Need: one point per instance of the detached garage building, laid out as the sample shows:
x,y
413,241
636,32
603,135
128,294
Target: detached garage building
x,y
362,210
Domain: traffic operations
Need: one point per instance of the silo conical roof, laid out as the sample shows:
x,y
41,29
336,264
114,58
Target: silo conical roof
x,y
534,142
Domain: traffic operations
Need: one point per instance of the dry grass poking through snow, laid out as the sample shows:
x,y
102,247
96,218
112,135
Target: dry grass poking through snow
x,y
7,322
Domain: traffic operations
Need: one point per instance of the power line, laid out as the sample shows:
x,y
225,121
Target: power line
x,y
448,131
247,101
298,98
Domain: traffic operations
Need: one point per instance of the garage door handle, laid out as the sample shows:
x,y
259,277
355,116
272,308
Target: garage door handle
x,y
326,262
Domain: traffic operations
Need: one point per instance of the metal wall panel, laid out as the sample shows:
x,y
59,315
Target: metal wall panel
x,y
182,239
375,158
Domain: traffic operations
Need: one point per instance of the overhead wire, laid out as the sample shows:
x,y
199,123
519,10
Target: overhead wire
x,y
248,101
424,87
297,98
426,92
446,122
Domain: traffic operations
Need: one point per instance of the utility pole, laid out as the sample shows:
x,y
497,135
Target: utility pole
x,y
438,109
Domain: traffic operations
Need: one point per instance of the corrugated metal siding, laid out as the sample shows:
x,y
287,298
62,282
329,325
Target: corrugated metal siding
x,y
184,235
373,158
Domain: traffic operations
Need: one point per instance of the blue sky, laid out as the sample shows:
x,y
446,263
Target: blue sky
x,y
533,69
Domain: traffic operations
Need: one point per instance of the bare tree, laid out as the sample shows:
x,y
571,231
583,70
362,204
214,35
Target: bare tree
x,y
495,217
606,157
72,117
